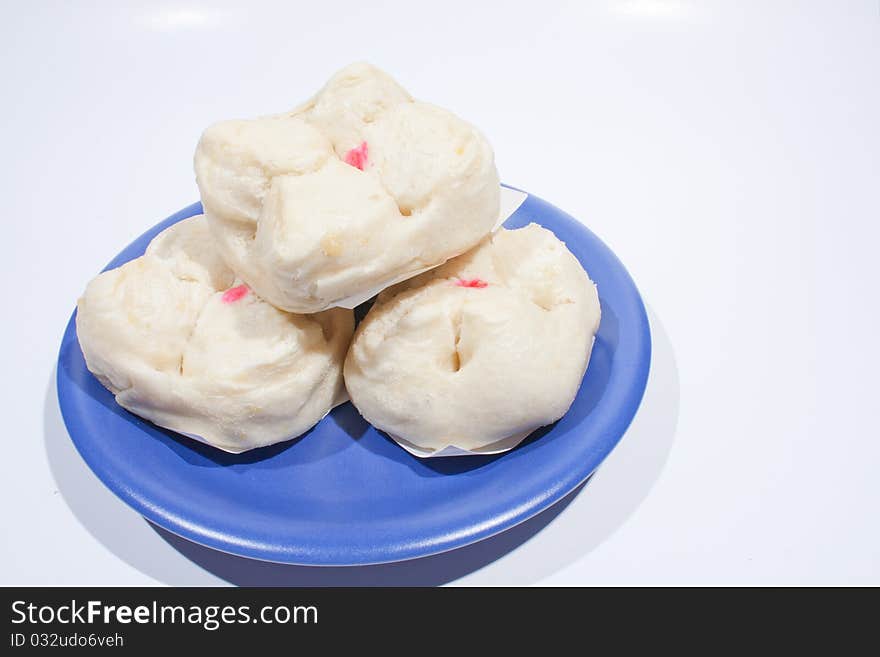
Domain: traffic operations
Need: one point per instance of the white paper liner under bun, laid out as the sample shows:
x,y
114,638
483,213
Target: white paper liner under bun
x,y
498,447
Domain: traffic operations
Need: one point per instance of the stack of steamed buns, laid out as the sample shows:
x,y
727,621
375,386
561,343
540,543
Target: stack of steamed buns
x,y
231,328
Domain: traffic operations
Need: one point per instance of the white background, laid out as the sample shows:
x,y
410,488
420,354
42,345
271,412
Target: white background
x,y
729,152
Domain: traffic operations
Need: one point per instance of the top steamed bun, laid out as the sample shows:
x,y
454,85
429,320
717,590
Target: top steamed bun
x,y
357,188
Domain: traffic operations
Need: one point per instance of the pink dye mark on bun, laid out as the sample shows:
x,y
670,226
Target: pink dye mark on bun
x,y
233,294
474,282
357,157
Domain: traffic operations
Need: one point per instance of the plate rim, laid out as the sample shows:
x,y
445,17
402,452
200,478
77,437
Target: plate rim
x,y
444,542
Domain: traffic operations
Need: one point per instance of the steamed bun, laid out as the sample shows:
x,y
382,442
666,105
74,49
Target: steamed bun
x,y
357,188
179,342
489,346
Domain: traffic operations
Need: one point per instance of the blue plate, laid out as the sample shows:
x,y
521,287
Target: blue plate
x,y
344,493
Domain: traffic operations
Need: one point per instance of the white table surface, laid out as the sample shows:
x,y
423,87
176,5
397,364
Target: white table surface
x,y
729,152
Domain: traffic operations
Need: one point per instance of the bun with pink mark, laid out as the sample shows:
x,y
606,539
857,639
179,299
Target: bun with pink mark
x,y
358,187
488,347
181,343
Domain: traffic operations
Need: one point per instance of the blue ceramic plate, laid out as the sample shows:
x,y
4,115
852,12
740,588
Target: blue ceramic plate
x,y
344,493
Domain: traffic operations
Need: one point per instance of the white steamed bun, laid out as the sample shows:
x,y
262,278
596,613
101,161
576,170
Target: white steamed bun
x,y
357,188
174,337
490,346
